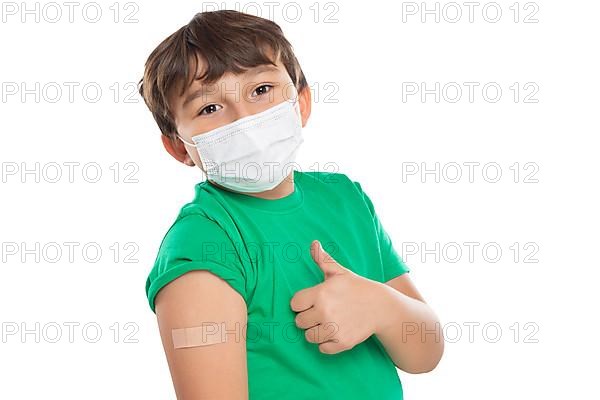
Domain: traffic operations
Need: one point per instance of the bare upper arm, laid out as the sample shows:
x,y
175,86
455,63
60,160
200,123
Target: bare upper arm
x,y
404,284
217,371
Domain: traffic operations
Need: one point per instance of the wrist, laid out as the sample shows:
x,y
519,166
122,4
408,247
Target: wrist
x,y
386,311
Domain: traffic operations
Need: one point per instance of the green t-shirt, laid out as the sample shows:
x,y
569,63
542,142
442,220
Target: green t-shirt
x,y
261,248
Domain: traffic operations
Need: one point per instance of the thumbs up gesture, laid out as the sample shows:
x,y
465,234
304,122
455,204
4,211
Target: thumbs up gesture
x,y
340,312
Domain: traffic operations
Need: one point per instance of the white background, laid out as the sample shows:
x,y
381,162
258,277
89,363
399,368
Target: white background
x,y
363,61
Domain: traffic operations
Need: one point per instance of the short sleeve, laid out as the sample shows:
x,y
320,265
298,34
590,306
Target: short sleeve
x,y
393,265
195,242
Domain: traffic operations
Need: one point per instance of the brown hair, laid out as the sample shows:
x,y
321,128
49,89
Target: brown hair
x,y
228,41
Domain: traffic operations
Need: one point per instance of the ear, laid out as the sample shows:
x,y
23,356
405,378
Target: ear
x,y
305,99
176,148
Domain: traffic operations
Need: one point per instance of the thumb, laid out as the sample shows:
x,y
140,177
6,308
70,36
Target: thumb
x,y
327,264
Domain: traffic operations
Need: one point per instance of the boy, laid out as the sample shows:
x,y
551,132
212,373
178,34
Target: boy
x,y
249,304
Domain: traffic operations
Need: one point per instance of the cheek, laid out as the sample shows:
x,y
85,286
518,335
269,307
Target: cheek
x,y
196,158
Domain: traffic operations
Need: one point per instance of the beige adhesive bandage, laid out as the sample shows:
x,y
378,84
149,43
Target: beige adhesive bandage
x,y
197,336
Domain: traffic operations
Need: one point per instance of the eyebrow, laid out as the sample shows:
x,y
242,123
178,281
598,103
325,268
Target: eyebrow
x,y
252,72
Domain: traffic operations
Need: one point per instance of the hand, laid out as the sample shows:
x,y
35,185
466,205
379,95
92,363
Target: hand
x,y
340,312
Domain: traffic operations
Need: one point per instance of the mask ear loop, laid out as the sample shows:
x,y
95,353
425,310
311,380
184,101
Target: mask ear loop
x,y
296,105
185,141
193,145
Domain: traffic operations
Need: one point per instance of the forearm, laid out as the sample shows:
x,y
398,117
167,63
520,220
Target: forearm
x,y
409,330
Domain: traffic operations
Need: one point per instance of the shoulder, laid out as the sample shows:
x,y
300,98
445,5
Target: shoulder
x,y
335,185
189,228
192,242
340,187
332,180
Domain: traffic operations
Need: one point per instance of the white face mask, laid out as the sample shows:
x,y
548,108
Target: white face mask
x,y
254,153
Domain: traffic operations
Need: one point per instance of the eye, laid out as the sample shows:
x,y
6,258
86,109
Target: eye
x,y
262,89
209,107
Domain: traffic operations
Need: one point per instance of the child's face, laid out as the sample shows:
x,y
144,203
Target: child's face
x,y
206,107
